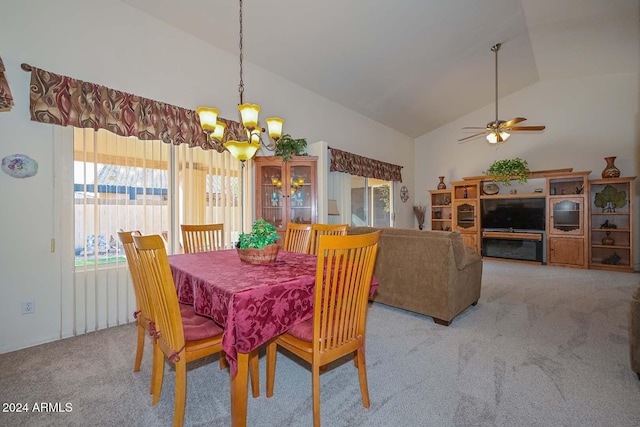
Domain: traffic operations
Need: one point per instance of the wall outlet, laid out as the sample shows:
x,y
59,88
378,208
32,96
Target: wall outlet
x,y
28,306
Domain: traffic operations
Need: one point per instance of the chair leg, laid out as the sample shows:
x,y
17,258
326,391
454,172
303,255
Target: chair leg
x,y
154,362
158,375
223,360
315,384
254,373
139,347
181,392
362,375
271,366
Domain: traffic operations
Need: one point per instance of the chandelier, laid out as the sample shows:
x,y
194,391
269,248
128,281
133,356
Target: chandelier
x,y
242,146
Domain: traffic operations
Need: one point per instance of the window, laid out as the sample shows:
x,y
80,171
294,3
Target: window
x,y
125,183
118,183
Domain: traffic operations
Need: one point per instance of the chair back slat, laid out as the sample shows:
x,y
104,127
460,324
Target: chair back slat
x,y
297,238
157,275
202,237
142,293
318,230
343,280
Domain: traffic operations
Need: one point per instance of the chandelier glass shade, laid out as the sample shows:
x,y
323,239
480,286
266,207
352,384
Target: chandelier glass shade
x,y
242,147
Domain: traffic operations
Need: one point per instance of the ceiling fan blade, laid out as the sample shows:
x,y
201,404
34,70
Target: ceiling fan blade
x,y
471,136
512,122
520,128
474,127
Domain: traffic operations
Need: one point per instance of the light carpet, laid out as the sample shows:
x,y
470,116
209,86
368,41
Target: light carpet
x,y
545,346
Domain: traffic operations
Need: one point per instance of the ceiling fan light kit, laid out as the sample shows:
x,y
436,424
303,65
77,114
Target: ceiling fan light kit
x,y
496,131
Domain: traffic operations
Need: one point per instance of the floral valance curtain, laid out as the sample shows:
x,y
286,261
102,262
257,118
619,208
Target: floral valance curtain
x,y
6,100
342,161
66,101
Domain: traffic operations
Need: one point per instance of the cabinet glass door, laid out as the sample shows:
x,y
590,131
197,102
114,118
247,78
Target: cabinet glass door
x,y
466,216
272,198
301,194
566,217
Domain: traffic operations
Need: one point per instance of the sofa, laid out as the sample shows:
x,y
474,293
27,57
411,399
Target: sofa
x,y
634,332
426,272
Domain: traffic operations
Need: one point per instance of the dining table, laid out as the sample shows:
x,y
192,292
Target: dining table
x,y
253,303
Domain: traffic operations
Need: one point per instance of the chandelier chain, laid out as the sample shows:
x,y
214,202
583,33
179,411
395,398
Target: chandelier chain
x,y
241,85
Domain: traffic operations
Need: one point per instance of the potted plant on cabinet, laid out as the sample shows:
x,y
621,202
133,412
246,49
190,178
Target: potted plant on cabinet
x,y
288,146
508,169
259,246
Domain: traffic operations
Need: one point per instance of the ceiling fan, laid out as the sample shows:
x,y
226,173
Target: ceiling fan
x,y
496,130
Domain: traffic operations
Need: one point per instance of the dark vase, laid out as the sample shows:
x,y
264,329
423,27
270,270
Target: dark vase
x,y
441,184
610,171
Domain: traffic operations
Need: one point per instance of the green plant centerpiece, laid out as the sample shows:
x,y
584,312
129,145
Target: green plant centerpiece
x,y
610,198
508,169
288,147
259,246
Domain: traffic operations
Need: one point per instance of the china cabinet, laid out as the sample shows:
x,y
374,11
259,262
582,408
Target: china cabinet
x,y
286,191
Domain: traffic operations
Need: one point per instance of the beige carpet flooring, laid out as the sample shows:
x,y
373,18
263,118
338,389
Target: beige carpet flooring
x,y
545,346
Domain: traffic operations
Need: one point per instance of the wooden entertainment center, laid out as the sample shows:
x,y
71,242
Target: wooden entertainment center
x,y
552,219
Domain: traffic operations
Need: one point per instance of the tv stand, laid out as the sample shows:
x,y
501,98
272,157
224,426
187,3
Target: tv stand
x,y
514,245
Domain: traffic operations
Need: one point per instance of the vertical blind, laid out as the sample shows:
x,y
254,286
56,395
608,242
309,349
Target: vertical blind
x,y
125,183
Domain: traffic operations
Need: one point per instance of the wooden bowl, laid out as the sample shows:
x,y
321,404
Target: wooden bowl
x,y
259,256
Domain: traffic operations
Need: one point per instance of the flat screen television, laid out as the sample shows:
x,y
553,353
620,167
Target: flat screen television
x,y
519,214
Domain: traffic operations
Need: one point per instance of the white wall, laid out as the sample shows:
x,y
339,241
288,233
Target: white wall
x,y
587,119
114,45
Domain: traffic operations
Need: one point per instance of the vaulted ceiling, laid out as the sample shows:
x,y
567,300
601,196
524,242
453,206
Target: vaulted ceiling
x,y
415,65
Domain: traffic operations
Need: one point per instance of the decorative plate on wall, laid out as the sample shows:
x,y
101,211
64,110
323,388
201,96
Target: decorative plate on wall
x,y
491,188
19,166
404,193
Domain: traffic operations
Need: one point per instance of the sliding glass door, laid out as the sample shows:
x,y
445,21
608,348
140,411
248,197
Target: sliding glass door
x,y
371,202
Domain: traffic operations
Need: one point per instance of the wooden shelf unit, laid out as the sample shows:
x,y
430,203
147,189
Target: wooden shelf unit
x,y
441,214
567,238
466,215
616,256
572,241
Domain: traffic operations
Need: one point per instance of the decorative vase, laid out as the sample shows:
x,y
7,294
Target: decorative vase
x,y
608,240
259,256
610,171
441,184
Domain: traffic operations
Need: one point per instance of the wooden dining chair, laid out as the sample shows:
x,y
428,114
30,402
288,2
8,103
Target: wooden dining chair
x,y
202,237
182,336
143,313
297,238
343,279
318,230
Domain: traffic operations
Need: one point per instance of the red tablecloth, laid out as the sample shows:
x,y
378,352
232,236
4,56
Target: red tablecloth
x,y
253,303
